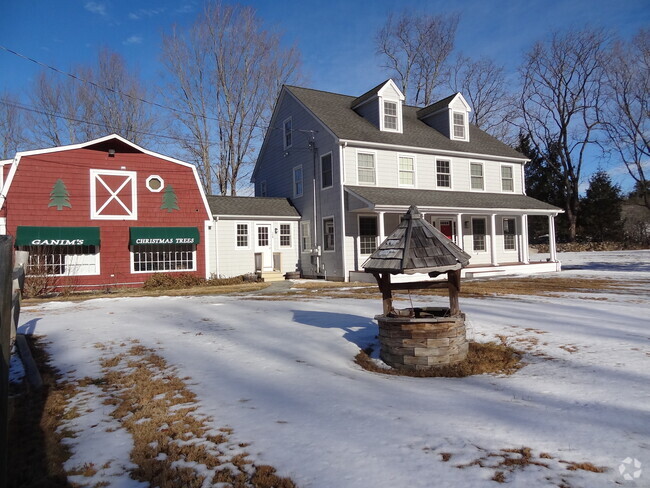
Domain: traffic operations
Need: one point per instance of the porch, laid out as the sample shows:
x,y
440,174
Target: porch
x,y
494,230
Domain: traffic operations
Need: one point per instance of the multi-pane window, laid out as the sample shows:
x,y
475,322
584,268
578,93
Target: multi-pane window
x,y
285,235
476,173
328,234
62,260
305,236
297,181
509,236
390,116
443,173
366,166
242,235
406,171
459,125
326,171
507,180
367,234
478,231
263,236
167,257
288,133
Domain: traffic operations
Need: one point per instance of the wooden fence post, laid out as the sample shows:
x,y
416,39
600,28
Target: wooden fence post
x,y
6,275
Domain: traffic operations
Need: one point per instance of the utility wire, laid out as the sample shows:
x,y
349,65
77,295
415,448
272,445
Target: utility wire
x,y
118,92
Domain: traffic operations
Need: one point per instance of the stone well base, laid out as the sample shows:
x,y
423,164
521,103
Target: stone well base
x,y
422,338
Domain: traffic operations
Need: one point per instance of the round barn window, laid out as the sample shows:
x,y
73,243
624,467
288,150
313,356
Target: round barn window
x,y
155,183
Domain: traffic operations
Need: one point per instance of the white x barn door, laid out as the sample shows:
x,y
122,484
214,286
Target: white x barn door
x,y
113,195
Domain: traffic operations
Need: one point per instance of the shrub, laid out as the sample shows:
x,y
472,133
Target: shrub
x,y
172,281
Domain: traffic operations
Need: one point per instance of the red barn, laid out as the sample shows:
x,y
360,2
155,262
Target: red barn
x,y
105,212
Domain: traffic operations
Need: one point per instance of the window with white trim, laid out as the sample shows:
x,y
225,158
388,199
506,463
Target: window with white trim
x,y
366,168
288,133
459,125
406,171
62,260
507,179
305,236
478,234
476,174
285,235
443,173
509,235
326,171
328,234
297,181
242,236
367,234
391,121
149,258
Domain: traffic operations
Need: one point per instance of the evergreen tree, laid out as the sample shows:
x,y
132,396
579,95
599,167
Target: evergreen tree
x,y
545,184
170,201
601,209
59,196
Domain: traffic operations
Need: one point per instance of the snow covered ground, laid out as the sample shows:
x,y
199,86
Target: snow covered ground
x,y
281,375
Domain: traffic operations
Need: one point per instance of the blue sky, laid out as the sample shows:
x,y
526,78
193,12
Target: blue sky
x,y
335,37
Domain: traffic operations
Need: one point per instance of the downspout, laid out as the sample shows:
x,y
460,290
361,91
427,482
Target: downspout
x,y
346,276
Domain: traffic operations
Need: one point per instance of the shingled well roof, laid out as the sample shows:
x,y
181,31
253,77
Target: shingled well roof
x,y
335,112
253,206
415,246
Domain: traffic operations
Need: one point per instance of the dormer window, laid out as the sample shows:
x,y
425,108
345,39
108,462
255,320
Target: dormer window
x,y
459,125
390,116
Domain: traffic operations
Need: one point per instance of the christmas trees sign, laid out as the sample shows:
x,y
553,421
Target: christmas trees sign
x,y
59,196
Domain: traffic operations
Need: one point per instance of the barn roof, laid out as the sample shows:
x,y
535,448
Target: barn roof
x,y
415,246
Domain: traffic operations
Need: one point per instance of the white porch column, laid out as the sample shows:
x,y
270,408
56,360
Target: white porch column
x,y
459,231
551,238
382,231
525,254
493,239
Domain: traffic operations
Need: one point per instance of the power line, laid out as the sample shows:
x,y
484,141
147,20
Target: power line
x,y
118,92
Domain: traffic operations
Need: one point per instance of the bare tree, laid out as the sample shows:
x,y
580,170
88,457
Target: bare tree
x,y
11,126
482,82
626,114
118,103
416,49
90,103
226,73
562,84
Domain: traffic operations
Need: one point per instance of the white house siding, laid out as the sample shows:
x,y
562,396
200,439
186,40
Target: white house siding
x,y
277,170
387,170
234,261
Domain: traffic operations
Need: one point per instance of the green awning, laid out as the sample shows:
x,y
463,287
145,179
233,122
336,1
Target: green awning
x,y
57,236
164,235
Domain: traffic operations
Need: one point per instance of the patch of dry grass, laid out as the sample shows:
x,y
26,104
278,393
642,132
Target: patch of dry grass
x,y
170,437
37,454
482,358
141,292
506,461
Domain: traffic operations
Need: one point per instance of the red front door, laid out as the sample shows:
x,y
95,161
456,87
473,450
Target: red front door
x,y
447,229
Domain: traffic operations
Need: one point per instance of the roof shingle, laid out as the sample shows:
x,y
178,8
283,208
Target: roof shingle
x,y
335,112
253,206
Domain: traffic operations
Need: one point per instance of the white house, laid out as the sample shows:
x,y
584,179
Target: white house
x,y
351,166
251,234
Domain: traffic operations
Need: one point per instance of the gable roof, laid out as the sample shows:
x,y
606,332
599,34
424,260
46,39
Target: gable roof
x,y
405,197
335,112
373,92
251,206
111,141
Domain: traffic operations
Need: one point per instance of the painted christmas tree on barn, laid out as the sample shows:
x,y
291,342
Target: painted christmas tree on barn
x,y
170,201
59,196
